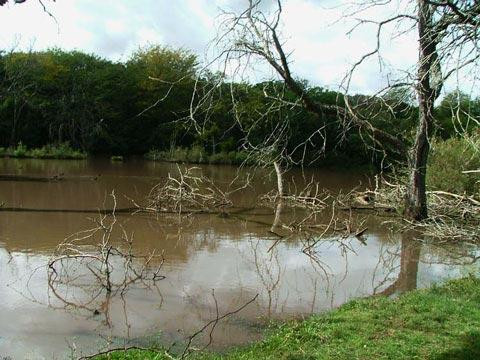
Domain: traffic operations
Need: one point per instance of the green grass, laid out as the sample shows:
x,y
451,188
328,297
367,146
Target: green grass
x,y
439,323
60,151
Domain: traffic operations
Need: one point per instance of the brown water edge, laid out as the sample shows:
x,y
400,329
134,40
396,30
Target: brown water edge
x,y
203,252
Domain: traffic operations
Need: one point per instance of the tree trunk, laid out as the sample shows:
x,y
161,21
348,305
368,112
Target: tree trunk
x,y
278,171
278,215
416,198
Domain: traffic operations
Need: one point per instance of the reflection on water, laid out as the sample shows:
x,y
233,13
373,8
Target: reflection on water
x,y
236,257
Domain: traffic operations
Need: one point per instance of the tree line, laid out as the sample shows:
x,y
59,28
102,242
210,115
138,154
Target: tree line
x,y
106,107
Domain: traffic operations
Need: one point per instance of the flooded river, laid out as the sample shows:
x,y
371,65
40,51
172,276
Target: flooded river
x,y
212,264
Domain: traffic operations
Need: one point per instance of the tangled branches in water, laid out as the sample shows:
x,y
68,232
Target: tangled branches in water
x,y
312,197
452,217
187,193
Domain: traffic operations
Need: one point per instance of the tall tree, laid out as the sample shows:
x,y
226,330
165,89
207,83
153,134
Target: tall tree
x,y
443,28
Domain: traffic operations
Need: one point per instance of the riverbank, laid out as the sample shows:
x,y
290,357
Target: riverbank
x,y
60,151
197,155
438,323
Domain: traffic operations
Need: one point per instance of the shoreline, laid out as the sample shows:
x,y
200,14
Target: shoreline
x,y
441,322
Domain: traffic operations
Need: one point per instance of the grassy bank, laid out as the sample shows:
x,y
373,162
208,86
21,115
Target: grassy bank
x,y
60,151
439,323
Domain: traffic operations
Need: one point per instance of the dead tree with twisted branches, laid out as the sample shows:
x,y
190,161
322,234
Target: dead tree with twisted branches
x,y
444,29
447,35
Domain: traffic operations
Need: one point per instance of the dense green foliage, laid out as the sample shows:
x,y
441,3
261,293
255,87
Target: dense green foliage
x,y
439,323
157,101
448,161
100,106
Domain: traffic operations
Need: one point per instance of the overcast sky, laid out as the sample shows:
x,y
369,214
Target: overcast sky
x,y
322,52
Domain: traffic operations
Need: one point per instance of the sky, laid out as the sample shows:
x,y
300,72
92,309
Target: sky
x,y
321,50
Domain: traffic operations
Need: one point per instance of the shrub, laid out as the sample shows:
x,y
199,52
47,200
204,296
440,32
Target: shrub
x,y
39,153
20,151
155,155
447,161
196,155
116,158
62,151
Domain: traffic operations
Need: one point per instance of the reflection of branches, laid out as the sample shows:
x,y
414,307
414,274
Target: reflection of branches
x,y
338,228
387,263
398,265
101,267
268,270
212,323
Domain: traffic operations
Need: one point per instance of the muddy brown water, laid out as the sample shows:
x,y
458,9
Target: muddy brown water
x,y
213,264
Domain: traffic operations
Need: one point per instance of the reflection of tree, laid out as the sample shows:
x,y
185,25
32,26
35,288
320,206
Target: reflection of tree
x,y
405,260
409,259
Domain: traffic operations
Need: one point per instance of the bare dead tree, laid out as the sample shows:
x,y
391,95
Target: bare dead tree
x,y
236,47
447,33
444,29
311,197
256,34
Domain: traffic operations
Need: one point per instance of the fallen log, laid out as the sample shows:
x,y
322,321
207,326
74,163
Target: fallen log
x,y
466,198
371,208
128,210
85,211
59,177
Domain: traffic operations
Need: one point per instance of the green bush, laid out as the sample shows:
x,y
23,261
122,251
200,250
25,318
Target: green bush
x,y
240,157
155,155
39,153
116,158
218,158
60,151
20,151
447,161
196,155
179,155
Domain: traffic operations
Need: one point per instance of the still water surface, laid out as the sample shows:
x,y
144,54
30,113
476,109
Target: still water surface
x,y
210,261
